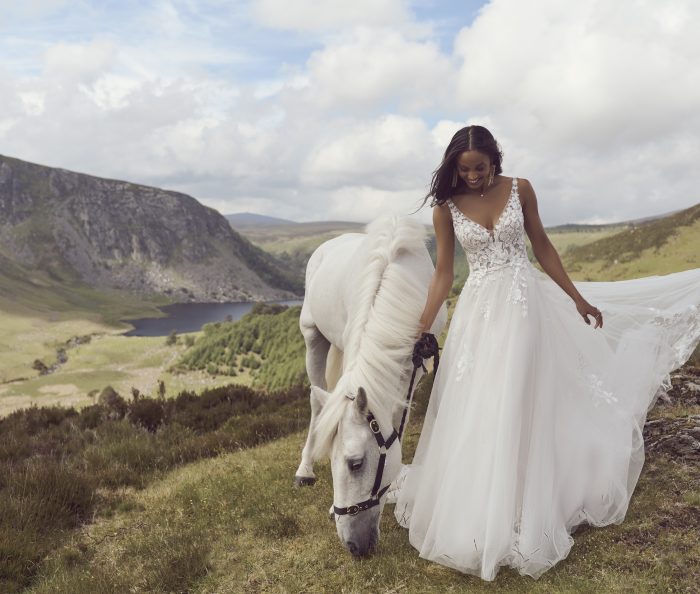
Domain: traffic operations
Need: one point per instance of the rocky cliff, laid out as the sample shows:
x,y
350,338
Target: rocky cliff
x,y
115,234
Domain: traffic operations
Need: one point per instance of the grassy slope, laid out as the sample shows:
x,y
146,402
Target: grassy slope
x,y
236,524
668,245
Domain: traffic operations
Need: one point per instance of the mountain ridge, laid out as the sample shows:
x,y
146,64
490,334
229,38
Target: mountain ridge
x,y
115,234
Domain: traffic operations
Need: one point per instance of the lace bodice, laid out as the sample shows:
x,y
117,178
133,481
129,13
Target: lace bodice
x,y
489,250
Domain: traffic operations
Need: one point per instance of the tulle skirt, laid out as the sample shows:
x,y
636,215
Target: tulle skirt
x,y
535,419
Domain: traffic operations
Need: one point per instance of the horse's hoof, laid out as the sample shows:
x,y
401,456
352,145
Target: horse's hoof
x,y
304,481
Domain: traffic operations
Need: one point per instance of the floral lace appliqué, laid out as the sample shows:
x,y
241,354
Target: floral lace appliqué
x,y
489,251
596,386
465,364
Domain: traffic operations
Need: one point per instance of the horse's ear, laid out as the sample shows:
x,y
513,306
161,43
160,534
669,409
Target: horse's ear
x,y
319,397
361,401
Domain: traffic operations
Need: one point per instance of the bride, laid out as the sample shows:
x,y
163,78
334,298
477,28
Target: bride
x,y
535,419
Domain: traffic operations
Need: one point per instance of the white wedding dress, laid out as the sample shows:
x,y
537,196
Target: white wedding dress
x,y
535,419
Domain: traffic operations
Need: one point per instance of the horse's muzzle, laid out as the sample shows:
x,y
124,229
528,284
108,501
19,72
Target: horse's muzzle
x,y
364,548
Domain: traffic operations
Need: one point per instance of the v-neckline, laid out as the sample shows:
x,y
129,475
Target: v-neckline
x,y
500,216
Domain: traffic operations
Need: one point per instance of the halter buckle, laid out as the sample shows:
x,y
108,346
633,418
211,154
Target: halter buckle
x,y
353,509
374,426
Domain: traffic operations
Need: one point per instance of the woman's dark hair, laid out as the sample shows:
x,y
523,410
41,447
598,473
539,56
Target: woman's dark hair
x,y
470,138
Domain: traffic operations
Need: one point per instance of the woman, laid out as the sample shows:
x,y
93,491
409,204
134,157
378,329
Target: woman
x,y
535,419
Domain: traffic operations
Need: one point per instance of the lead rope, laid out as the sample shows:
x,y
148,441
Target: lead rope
x,y
426,346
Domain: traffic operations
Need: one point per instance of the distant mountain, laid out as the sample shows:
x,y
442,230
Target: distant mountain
x,y
115,234
247,219
601,226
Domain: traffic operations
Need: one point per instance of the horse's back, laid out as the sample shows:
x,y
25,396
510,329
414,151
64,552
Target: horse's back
x,y
337,267
326,274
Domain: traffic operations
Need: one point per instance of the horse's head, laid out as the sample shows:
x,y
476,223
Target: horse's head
x,y
365,458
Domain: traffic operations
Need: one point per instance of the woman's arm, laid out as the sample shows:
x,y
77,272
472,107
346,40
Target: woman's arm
x,y
547,255
442,279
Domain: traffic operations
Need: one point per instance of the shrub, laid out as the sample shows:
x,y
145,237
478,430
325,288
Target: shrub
x,y
147,413
32,420
40,366
116,405
171,339
262,308
92,416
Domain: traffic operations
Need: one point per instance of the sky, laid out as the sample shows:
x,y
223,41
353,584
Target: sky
x,y
339,110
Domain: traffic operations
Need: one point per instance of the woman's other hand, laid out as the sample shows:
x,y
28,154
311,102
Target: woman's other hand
x,y
586,309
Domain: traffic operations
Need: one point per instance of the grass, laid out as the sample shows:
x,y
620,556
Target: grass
x,y
60,468
236,524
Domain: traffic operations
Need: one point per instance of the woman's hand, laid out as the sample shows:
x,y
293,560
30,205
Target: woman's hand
x,y
586,309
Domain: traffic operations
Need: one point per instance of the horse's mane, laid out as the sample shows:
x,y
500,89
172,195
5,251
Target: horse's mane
x,y
382,323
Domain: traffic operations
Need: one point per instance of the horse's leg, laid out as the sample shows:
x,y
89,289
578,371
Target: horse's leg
x,y
317,347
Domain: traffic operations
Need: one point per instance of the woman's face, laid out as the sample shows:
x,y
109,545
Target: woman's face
x,y
473,167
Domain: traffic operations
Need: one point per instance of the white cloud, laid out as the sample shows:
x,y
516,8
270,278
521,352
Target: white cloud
x,y
350,109
371,68
387,153
595,98
311,15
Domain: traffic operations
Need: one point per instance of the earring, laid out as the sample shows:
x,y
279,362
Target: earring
x,y
454,178
491,174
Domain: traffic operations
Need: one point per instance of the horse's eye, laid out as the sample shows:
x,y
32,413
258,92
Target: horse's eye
x,y
355,465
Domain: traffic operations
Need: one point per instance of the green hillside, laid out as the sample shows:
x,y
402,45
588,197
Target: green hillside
x,y
662,246
44,294
292,244
266,344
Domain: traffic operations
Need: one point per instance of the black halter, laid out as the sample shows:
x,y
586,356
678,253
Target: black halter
x,y
425,348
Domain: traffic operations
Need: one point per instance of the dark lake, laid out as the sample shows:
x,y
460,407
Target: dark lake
x,y
190,317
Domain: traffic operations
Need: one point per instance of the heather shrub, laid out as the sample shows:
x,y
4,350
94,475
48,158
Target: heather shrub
x,y
115,404
147,413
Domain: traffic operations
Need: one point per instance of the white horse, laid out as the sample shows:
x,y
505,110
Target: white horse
x,y
364,297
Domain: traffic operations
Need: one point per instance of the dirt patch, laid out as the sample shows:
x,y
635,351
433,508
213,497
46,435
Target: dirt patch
x,y
683,517
678,438
685,388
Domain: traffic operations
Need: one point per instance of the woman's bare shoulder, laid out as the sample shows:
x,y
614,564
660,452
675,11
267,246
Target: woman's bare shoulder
x,y
442,216
525,191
